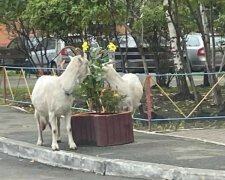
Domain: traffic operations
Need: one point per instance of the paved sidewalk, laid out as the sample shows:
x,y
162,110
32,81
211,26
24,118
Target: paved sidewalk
x,y
151,156
209,135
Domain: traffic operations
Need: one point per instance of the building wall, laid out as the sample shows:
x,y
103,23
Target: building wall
x,y
121,29
5,38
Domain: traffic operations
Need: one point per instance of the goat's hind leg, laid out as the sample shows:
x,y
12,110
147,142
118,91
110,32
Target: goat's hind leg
x,y
40,136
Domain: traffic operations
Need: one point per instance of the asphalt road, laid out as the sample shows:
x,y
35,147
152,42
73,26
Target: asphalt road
x,y
12,168
152,148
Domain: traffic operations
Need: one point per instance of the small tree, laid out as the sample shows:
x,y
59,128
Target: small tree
x,y
199,11
12,16
175,30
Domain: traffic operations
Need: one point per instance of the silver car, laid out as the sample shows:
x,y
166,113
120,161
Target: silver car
x,y
134,63
196,51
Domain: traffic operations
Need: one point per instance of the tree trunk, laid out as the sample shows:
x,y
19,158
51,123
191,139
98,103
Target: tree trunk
x,y
182,85
218,100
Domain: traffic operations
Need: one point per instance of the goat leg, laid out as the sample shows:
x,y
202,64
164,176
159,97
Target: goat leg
x,y
40,137
58,126
71,142
52,120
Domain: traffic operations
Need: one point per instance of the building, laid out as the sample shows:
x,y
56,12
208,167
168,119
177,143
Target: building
x,y
5,38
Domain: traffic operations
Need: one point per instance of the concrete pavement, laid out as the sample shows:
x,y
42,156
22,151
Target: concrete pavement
x,y
192,154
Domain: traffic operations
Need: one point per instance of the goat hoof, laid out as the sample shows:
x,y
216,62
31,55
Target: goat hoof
x,y
40,143
55,147
73,146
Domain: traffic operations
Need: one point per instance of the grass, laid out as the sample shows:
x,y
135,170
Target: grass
x,y
10,73
163,108
165,126
20,94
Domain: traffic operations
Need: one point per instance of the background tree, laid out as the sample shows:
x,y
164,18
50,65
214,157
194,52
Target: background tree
x,y
55,17
204,20
11,15
153,25
177,38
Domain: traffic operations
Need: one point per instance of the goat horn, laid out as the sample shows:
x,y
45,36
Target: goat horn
x,y
76,51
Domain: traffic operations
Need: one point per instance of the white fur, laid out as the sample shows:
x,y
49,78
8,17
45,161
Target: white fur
x,y
128,85
52,99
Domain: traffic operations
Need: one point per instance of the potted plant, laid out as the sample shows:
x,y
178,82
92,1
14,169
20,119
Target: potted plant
x,y
105,124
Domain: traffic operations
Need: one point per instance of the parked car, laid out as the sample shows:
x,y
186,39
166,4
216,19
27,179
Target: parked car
x,y
196,51
134,61
35,48
49,52
11,57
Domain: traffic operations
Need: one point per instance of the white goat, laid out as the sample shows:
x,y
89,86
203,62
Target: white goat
x,y
52,98
128,85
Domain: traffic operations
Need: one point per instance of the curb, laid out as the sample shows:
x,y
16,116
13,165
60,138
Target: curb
x,y
104,166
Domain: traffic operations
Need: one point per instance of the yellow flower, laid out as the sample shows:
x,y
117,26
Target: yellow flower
x,y
112,47
85,46
116,95
103,90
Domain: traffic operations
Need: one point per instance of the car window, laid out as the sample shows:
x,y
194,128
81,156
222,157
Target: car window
x,y
218,40
47,44
15,43
75,41
23,43
193,41
131,41
123,41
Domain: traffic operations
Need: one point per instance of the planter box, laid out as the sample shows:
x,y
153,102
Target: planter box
x,y
102,129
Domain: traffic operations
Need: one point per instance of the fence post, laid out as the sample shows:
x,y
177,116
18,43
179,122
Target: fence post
x,y
4,84
148,99
28,89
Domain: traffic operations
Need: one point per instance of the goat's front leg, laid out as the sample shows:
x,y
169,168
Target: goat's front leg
x,y
52,120
71,142
40,137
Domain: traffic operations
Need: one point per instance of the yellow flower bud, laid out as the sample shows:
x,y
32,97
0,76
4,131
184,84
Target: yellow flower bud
x,y
85,46
112,47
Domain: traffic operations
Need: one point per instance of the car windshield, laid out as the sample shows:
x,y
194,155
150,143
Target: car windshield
x,y
130,42
219,41
193,41
20,43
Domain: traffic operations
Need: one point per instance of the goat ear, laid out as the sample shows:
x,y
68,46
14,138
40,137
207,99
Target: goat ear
x,y
78,51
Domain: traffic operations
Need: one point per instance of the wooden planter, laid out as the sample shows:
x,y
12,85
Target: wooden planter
x,y
102,129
